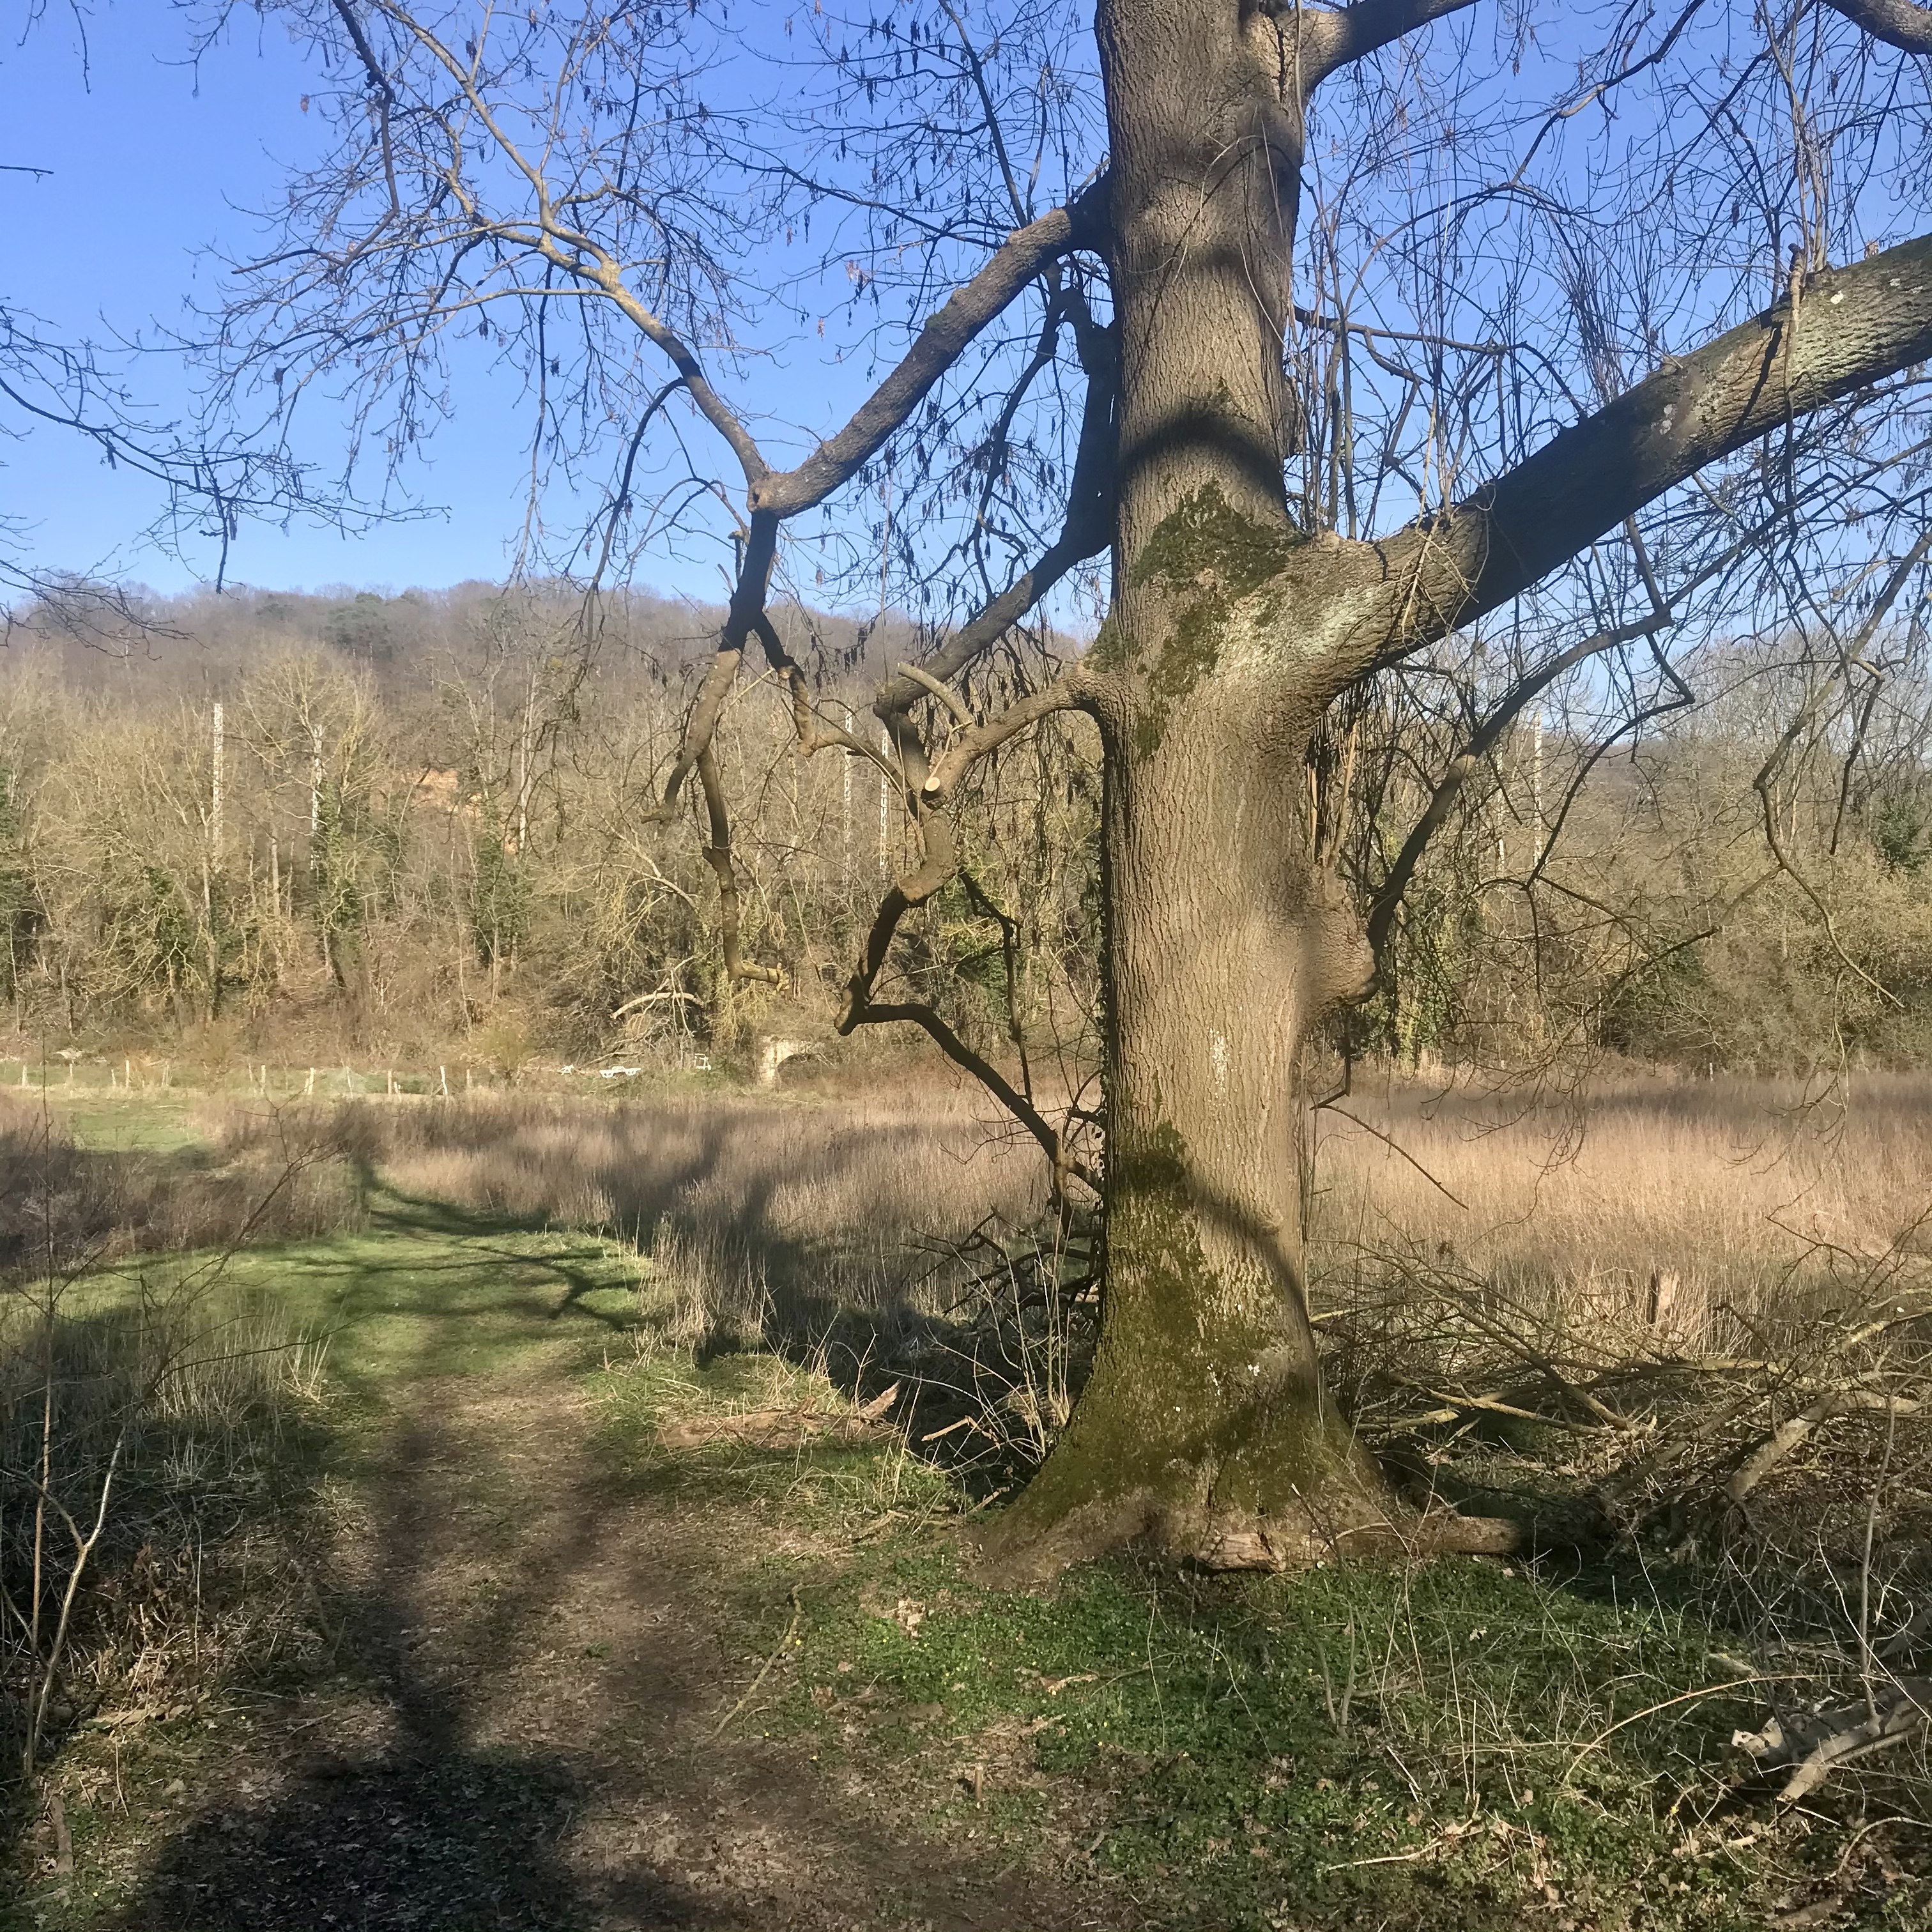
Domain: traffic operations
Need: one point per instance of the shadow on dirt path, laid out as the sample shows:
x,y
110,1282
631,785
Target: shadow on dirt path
x,y
519,1725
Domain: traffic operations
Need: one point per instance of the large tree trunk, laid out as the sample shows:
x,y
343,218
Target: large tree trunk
x,y
1204,1425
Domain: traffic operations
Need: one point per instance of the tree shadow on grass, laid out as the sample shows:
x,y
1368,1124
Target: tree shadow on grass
x,y
518,1724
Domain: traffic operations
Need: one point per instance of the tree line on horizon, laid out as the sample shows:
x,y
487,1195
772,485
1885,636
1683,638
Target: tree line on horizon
x,y
347,822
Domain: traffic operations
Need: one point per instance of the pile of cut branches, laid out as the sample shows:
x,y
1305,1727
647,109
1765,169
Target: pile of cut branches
x,y
1768,1465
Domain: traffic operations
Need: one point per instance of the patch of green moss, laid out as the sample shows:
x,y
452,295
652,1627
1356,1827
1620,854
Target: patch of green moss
x,y
1205,536
1113,648
1211,555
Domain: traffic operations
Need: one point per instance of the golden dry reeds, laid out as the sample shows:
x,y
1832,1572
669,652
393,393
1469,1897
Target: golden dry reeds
x,y
1700,1195
820,1199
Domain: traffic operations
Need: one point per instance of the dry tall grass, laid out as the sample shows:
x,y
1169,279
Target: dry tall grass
x,y
1629,1239
1697,1316
144,1415
165,1417
63,1206
1689,1324
1721,1195
809,1209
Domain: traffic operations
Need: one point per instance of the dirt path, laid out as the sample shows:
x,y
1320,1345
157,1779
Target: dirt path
x,y
525,1728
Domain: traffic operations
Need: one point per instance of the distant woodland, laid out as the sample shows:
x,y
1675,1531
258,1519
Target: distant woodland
x,y
421,825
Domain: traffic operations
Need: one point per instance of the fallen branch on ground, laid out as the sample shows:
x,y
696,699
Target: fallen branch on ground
x,y
784,1428
1813,1748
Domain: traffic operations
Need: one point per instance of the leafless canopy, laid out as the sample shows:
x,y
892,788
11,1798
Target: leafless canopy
x,y
1607,333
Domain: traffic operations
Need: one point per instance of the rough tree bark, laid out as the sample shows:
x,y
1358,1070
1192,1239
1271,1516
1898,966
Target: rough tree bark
x,y
1204,1428
1204,1423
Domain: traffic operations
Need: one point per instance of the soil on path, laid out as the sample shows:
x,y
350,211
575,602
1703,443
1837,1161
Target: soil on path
x,y
524,1727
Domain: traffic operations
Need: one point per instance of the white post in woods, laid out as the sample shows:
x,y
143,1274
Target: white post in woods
x,y
215,801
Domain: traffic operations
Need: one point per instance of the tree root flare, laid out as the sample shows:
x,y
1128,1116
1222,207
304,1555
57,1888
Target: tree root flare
x,y
1338,1527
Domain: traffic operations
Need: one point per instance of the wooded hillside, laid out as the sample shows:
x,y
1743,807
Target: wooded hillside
x,y
420,827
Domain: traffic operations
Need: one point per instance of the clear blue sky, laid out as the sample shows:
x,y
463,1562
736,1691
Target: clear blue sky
x,y
150,162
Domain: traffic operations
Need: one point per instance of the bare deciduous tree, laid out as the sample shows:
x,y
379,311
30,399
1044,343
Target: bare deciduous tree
x,y
1344,333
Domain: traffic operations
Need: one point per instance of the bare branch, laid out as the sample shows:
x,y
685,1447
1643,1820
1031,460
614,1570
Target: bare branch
x,y
1388,899
1331,40
577,255
364,52
1065,1166
1872,320
1087,530
939,859
745,615
1766,779
1063,694
939,344
946,695
718,853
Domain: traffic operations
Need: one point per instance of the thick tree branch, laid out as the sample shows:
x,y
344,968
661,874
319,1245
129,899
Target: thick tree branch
x,y
939,859
973,744
1853,327
364,52
603,273
934,687
1897,22
939,344
386,97
745,615
1330,40
718,852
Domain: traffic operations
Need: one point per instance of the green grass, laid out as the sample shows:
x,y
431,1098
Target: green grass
x,y
426,1293
1457,1744
1235,1768
422,1293
157,1121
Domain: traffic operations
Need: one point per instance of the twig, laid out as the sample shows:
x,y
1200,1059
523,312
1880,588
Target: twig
x,y
1683,1697
765,1670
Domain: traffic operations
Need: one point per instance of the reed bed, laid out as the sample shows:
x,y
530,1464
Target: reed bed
x,y
1724,1194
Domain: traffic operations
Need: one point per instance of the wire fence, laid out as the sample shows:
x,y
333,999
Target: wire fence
x,y
56,1073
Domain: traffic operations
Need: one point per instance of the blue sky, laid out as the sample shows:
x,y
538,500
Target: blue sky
x,y
149,163
150,160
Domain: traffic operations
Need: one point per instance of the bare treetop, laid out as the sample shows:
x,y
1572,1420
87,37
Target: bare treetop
x,y
1357,340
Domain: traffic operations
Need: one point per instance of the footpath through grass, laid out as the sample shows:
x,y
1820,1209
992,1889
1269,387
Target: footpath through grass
x,y
1455,1744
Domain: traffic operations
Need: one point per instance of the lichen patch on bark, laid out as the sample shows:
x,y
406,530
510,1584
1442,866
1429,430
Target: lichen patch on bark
x,y
1207,556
